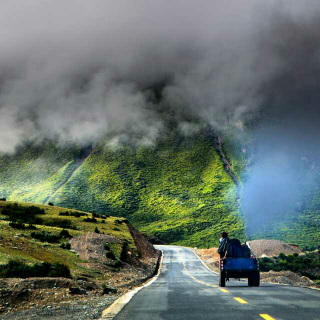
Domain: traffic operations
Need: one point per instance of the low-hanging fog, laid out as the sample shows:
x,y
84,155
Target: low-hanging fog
x,y
77,70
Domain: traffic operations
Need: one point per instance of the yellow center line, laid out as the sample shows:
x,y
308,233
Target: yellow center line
x,y
193,278
199,281
266,316
241,300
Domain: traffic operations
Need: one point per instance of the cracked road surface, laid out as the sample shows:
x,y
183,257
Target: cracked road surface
x,y
186,289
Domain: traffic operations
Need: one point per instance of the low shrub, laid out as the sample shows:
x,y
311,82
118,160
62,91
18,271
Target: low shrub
x,y
45,237
96,215
64,213
15,209
295,263
117,264
17,269
51,204
17,225
22,226
94,220
27,219
60,223
96,230
110,255
76,214
23,214
107,289
65,234
65,246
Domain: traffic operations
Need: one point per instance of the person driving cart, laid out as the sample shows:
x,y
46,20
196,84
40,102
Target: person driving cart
x,y
223,241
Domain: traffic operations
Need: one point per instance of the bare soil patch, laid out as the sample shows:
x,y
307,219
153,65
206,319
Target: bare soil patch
x,y
286,277
270,248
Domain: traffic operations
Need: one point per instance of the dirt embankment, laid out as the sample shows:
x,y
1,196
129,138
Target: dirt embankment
x,y
286,277
210,257
130,268
36,297
271,248
144,246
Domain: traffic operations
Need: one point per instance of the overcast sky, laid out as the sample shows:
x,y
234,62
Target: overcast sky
x,y
76,70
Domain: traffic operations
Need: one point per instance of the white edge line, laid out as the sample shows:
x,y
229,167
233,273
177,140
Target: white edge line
x,y
122,301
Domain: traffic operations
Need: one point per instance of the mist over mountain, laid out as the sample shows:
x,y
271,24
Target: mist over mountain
x,y
77,70
128,73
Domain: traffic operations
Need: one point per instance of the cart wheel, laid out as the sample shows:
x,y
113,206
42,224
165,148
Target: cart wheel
x,y
257,279
251,279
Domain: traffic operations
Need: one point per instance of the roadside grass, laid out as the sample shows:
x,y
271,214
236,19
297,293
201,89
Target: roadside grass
x,y
19,245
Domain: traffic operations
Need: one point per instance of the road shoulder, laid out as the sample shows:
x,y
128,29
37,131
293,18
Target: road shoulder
x,y
121,302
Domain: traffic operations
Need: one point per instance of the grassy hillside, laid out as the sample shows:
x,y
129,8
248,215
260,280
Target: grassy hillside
x,y
34,171
301,226
177,191
25,244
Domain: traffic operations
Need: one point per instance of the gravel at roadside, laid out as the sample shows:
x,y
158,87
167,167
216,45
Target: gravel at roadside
x,y
84,309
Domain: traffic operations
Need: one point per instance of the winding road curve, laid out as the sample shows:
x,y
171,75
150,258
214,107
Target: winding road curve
x,y
186,289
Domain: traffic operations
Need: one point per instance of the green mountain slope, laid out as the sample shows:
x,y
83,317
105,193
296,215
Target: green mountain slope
x,y
177,191
299,226
35,171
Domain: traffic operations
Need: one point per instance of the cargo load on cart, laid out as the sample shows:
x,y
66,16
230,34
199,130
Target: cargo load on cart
x,y
238,261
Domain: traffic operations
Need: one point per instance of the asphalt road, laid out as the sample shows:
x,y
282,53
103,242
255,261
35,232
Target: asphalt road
x,y
185,289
